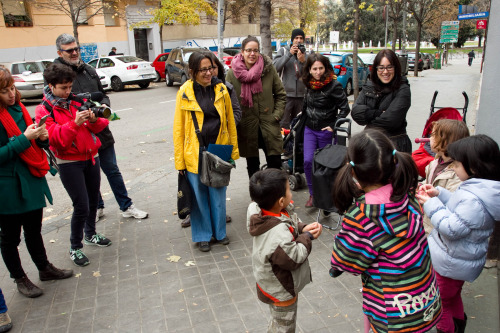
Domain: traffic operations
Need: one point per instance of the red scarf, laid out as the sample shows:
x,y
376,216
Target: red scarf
x,y
34,156
318,84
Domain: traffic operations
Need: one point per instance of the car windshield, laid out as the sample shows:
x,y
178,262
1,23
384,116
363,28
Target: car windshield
x,y
186,56
129,59
411,55
333,58
33,67
367,58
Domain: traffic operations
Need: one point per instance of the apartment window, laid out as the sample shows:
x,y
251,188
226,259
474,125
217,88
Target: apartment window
x,y
16,14
110,14
80,8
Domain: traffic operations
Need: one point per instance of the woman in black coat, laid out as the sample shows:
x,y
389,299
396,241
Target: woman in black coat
x,y
385,100
322,102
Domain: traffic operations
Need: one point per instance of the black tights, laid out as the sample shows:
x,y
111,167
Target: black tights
x,y
253,163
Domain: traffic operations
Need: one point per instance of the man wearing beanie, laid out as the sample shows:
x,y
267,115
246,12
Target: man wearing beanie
x,y
289,62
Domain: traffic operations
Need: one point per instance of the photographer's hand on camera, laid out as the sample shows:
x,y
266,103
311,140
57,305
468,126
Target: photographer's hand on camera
x,y
301,56
82,116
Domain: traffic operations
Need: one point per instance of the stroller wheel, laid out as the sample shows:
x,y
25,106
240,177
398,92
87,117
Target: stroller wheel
x,y
301,180
294,186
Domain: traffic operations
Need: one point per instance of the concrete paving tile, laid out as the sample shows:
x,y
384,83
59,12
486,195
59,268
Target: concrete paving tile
x,y
184,330
172,297
151,280
208,268
310,322
154,326
231,325
216,288
190,282
198,304
220,299
61,320
189,271
84,303
203,328
38,310
105,324
60,308
209,278
174,309
200,317
81,319
253,323
236,284
224,312
194,292
151,314
180,321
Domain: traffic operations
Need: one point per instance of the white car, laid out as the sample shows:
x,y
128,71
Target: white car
x,y
28,77
105,80
124,70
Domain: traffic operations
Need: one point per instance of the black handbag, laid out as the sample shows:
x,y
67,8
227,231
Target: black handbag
x,y
184,196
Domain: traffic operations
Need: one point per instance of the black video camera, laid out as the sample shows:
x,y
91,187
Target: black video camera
x,y
302,48
93,105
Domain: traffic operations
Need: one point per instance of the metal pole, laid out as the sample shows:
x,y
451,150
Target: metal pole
x,y
403,51
386,23
220,29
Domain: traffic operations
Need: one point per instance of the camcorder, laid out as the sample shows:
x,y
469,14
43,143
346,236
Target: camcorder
x,y
302,48
92,104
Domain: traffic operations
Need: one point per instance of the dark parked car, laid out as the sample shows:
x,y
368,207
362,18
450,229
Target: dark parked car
x,y
176,66
159,65
232,50
422,61
342,64
430,60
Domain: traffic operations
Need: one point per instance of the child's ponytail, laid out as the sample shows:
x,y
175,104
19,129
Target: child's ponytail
x,y
345,188
405,176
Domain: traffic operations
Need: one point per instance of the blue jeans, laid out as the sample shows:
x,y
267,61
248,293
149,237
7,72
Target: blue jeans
x,y
208,210
312,141
115,179
3,306
82,180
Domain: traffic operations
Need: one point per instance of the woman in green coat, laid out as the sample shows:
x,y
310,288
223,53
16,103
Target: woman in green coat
x,y
262,99
23,188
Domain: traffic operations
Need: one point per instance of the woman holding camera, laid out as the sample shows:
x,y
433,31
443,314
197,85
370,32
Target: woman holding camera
x,y
23,189
74,143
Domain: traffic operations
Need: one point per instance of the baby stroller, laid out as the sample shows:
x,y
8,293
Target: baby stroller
x,y
293,156
423,155
326,164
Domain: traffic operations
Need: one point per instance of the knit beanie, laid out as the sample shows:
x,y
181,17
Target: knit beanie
x,y
298,32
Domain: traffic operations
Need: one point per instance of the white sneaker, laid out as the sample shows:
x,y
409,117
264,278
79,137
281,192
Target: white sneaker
x,y
100,213
134,212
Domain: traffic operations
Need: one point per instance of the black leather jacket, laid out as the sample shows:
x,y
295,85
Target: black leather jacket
x,y
322,106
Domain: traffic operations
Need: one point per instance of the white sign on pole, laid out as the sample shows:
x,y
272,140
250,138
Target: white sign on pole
x,y
334,37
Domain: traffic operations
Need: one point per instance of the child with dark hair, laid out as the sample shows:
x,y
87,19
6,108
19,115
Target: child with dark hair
x,y
439,172
281,246
382,236
463,221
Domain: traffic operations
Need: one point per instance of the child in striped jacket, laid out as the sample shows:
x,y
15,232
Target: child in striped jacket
x,y
382,237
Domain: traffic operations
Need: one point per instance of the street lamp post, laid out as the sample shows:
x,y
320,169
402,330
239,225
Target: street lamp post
x,y
220,28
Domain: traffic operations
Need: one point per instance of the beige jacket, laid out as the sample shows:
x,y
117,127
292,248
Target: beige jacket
x,y
447,179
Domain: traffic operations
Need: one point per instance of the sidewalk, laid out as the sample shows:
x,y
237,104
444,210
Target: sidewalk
x,y
139,285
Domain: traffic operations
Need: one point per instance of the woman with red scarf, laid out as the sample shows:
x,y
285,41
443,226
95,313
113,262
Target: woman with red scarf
x,y
262,99
23,188
322,102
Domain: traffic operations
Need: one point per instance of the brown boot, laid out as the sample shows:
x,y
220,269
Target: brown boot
x,y
5,322
309,202
27,288
186,223
53,273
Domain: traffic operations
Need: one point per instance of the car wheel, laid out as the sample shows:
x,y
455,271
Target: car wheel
x,y
144,85
348,88
183,79
168,80
116,84
158,77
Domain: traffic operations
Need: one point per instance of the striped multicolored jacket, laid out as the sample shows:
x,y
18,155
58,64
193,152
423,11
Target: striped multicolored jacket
x,y
386,244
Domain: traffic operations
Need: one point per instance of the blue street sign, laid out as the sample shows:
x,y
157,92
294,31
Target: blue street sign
x,y
473,16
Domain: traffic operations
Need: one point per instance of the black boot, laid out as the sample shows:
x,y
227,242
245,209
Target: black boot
x,y
27,288
460,324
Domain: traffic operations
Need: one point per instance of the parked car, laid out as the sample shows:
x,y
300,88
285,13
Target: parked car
x,y
232,50
105,80
430,60
343,67
226,57
422,61
368,59
159,65
28,77
125,70
176,66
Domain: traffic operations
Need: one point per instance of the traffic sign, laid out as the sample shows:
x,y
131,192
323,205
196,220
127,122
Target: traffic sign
x,y
481,24
473,16
449,31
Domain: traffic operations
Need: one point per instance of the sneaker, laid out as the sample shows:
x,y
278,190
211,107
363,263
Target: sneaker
x,y
53,273
204,246
186,223
309,202
97,239
5,322
224,241
134,212
100,213
28,288
79,258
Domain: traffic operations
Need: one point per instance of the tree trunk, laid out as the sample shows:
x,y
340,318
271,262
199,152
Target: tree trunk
x,y
302,19
161,37
394,35
417,48
265,27
75,32
355,79
480,40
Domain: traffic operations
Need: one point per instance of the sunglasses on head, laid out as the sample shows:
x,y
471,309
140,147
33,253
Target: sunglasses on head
x,y
70,51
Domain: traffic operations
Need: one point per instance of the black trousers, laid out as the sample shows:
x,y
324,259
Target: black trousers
x,y
10,238
253,163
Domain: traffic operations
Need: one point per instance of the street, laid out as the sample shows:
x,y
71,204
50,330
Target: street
x,y
154,279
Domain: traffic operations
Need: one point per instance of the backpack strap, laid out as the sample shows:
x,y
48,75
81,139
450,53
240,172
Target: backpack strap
x,y
197,129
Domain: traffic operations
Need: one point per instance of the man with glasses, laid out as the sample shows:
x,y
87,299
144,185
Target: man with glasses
x,y
289,62
87,81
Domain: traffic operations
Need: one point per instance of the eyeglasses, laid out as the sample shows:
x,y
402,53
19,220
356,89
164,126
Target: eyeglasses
x,y
256,51
382,68
70,51
205,70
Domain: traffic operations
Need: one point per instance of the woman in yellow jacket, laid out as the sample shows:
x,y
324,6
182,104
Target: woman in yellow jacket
x,y
208,97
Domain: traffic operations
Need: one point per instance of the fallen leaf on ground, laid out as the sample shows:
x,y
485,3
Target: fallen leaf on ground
x,y
174,213
477,296
154,273
96,274
78,274
52,240
165,221
189,263
181,290
137,169
124,239
174,258
48,210
225,257
228,199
